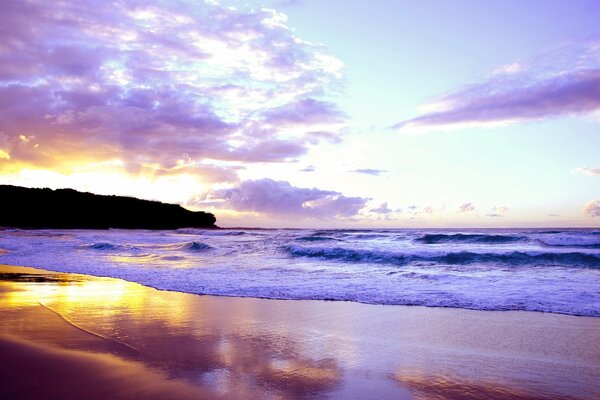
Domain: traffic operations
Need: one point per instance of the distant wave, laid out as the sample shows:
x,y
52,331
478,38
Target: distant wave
x,y
546,232
208,232
315,238
105,246
195,246
571,259
435,238
570,239
36,233
367,236
170,258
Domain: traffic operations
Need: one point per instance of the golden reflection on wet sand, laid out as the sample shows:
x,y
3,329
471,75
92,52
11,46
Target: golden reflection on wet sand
x,y
167,332
265,349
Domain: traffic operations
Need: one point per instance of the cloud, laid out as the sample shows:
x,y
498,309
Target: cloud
x,y
498,211
281,199
209,173
413,210
369,171
304,112
416,211
592,208
553,215
309,168
149,82
565,81
508,69
588,171
466,207
383,209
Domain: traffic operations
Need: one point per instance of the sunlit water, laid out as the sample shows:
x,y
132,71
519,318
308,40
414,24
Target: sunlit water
x,y
538,270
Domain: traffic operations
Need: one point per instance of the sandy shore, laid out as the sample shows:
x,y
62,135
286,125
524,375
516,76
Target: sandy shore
x,y
75,336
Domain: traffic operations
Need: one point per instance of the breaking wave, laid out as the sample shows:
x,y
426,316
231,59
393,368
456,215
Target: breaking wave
x,y
195,246
548,270
461,257
570,239
435,238
106,246
315,238
209,232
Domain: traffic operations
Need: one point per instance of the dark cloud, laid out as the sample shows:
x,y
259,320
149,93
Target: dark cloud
x,y
147,82
370,171
553,86
281,199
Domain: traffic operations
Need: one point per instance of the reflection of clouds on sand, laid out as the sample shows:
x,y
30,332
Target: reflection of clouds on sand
x,y
193,341
255,348
443,387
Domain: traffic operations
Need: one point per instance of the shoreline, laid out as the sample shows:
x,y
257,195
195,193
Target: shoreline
x,y
498,272
247,347
4,251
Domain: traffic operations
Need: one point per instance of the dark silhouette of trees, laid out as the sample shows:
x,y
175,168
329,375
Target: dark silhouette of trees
x,y
66,208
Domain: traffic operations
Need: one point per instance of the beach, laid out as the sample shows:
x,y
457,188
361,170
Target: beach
x,y
89,337
299,200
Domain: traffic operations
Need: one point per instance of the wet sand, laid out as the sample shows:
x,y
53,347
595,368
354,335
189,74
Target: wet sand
x,y
75,336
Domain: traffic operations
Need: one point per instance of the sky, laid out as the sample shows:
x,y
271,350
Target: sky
x,y
311,113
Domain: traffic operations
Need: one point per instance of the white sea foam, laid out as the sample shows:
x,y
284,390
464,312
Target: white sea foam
x,y
571,239
538,270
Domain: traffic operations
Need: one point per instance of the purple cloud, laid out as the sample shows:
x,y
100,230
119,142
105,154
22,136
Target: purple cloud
x,y
318,136
280,198
592,208
304,112
370,171
566,82
383,209
466,207
148,82
209,173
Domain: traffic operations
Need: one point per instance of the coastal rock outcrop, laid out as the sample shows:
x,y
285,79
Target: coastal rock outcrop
x,y
22,207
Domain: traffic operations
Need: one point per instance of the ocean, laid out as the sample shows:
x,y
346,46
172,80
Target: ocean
x,y
556,271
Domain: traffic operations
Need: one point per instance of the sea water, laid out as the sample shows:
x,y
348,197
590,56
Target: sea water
x,y
554,271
